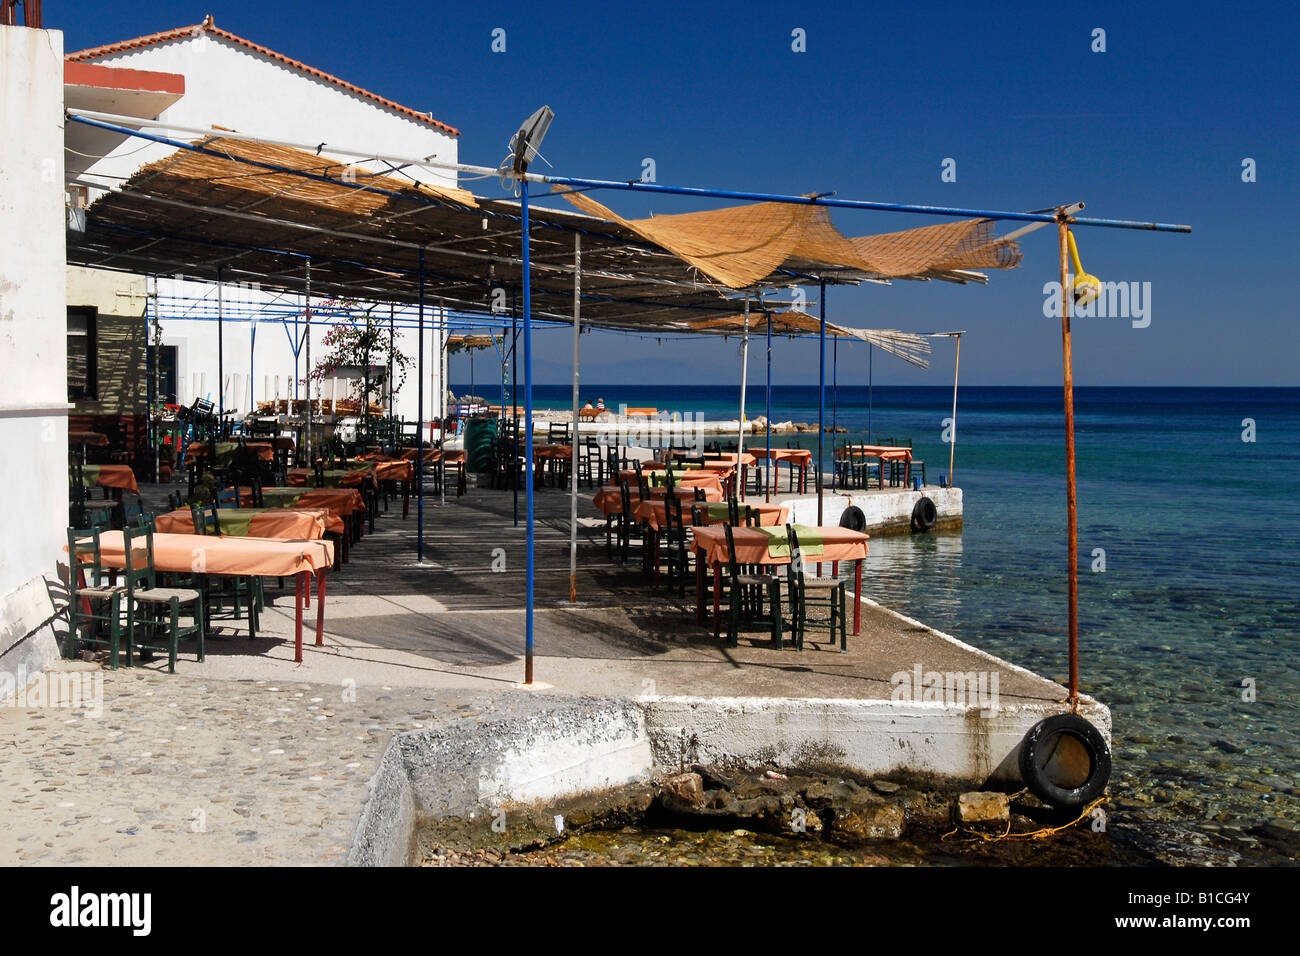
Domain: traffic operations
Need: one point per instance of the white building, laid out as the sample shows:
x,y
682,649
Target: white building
x,y
199,77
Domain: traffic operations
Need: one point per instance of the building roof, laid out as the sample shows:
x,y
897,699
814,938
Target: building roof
x,y
209,27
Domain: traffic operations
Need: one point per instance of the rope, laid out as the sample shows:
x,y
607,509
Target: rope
x,y
1030,835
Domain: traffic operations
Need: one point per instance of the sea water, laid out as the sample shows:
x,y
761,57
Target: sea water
x,y
1189,571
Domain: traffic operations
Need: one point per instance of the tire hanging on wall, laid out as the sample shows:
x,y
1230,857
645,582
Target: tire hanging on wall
x,y
924,515
1064,761
853,519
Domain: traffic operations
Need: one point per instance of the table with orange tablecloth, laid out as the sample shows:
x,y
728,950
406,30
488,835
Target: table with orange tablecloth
x,y
224,452
609,500
309,524
710,481
753,547
886,453
652,513
239,557
117,478
800,457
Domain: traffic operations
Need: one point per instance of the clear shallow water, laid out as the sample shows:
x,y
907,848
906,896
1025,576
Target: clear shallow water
x,y
1201,588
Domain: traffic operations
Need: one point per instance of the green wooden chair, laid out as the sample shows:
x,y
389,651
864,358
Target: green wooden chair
x,y
675,544
804,591
245,590
151,608
746,590
101,615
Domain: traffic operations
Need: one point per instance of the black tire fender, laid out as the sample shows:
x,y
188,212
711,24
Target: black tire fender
x,y
1041,761
924,514
853,519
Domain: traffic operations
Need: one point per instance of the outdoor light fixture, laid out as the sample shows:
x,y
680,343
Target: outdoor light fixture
x,y
525,143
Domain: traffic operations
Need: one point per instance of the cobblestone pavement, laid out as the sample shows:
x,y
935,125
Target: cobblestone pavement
x,y
187,770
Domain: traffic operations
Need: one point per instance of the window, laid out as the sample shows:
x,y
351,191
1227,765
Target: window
x,y
166,374
83,378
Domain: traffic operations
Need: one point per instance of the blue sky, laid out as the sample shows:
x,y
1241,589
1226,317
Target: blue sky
x,y
1156,127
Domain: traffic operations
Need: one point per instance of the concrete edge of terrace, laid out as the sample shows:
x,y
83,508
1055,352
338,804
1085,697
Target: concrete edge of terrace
x,y
564,748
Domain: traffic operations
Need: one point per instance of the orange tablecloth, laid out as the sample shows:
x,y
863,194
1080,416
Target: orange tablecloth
x,y
799,456
112,476
652,513
710,547
710,481
184,553
266,557
838,544
608,500
262,522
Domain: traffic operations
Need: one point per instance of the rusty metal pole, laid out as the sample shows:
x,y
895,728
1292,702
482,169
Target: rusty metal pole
x,y
1072,516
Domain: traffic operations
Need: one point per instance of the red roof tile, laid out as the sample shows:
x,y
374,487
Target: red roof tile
x,y
207,26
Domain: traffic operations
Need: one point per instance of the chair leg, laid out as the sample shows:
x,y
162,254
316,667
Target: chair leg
x,y
173,634
115,629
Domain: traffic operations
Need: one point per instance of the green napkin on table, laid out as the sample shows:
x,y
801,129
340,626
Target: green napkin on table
x,y
235,521
811,543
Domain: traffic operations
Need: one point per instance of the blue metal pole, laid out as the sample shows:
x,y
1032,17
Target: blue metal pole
x,y
419,440
514,396
821,395
528,434
637,186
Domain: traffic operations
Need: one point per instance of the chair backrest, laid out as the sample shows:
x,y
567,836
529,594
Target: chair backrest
x,y
228,497
138,561
133,513
733,567
206,520
673,507
83,556
793,570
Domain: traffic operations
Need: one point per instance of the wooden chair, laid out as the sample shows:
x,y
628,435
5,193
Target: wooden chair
x,y
745,590
96,605
804,591
675,544
146,603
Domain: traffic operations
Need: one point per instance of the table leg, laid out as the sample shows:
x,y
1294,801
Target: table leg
x,y
717,600
857,596
299,587
699,586
320,608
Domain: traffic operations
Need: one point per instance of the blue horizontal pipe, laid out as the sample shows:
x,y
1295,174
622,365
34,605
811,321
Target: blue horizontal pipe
x,y
635,186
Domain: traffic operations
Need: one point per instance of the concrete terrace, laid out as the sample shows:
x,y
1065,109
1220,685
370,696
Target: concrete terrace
x,y
454,622
249,758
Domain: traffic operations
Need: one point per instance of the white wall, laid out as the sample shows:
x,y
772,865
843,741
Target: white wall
x,y
268,355
232,86
33,341
229,85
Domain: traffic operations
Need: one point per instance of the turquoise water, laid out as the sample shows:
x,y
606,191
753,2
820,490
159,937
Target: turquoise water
x,y
1201,587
